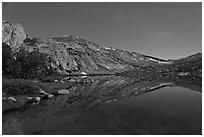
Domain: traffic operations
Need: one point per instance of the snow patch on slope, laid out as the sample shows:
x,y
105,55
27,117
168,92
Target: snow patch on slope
x,y
162,84
161,62
107,48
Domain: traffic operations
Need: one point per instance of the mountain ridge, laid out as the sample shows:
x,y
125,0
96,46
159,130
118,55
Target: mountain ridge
x,y
74,55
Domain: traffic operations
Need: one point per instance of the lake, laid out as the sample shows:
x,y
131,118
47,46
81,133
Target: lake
x,y
114,105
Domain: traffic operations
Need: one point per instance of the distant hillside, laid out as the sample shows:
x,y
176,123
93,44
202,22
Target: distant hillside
x,y
68,54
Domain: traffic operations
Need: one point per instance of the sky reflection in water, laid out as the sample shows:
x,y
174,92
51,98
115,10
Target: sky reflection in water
x,y
169,110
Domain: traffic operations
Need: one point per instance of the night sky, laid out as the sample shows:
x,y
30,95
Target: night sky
x,y
164,30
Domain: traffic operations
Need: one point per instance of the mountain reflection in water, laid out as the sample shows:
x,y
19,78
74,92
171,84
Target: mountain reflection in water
x,y
114,105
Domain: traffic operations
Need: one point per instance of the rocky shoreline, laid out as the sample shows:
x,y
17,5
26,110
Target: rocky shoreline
x,y
18,93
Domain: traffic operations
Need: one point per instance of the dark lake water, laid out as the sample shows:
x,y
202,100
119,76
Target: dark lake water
x,y
113,106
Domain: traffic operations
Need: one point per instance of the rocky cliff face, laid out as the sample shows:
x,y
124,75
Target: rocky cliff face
x,y
69,54
13,34
74,55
